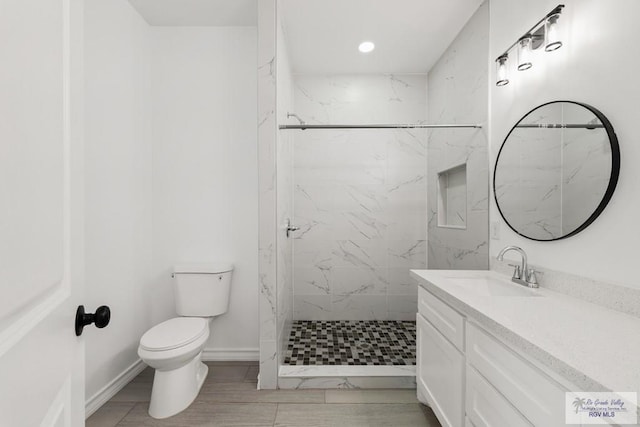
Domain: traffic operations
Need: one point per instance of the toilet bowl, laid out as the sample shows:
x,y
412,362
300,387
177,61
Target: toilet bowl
x,y
174,347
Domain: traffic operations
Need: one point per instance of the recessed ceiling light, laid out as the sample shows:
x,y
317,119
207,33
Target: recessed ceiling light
x,y
366,47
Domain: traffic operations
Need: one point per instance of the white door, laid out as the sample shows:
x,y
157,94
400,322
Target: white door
x,y
41,359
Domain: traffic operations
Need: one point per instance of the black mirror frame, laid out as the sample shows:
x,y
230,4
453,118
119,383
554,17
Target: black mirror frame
x,y
613,179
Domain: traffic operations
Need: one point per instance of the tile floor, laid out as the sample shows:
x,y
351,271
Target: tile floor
x,y
229,398
362,342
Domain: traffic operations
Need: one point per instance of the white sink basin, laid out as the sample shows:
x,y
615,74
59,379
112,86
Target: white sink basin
x,y
491,286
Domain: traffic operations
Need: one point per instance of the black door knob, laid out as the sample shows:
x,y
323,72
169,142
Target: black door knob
x,y
100,318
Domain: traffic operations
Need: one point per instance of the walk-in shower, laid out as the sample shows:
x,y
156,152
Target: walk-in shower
x,y
343,158
353,302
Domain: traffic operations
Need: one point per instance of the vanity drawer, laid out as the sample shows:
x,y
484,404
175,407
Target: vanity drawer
x,y
485,407
447,321
540,399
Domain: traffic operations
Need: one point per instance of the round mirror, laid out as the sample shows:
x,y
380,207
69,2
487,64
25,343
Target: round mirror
x,y
556,170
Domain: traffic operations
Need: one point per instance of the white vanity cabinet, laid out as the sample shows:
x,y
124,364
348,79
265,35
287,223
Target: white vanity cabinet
x,y
470,378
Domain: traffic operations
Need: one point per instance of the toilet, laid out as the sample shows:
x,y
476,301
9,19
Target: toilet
x,y
174,347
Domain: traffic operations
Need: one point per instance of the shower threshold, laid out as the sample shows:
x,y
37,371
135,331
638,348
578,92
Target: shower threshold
x,y
301,371
346,376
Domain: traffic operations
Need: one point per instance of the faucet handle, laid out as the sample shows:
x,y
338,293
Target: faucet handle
x,y
531,277
517,274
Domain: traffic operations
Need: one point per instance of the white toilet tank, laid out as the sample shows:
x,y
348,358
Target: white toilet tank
x,y
202,290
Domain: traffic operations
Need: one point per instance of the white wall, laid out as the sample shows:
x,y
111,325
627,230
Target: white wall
x,y
118,186
171,176
595,67
205,194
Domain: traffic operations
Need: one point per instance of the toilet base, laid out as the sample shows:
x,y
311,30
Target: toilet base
x,y
173,391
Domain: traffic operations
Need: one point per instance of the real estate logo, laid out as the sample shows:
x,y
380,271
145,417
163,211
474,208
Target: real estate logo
x,y
601,408
579,403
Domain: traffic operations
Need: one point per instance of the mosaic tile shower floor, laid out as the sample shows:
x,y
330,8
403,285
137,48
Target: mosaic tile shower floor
x,y
363,342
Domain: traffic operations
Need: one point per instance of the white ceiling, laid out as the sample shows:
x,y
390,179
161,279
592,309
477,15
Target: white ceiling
x,y
410,35
219,13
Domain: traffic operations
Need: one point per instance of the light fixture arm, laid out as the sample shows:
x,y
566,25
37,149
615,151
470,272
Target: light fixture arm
x,y
534,32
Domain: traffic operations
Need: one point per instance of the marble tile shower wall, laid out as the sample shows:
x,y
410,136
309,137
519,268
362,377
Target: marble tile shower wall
x,y
284,194
458,94
267,147
359,198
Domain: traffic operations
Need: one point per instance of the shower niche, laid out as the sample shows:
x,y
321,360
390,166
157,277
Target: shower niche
x,y
452,197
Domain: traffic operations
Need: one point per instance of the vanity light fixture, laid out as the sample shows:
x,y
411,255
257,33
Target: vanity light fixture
x,y
366,47
543,33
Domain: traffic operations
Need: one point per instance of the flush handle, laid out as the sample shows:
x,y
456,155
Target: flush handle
x,y
101,318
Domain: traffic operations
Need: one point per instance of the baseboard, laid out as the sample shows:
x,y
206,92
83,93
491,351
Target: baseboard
x,y
230,354
107,392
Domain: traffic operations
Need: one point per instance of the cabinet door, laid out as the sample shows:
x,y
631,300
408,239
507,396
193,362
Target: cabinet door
x,y
440,374
536,396
486,407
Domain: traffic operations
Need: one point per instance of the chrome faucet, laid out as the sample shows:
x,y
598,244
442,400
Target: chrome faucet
x,y
522,274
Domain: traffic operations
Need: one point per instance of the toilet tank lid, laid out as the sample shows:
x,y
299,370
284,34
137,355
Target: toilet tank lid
x,y
204,268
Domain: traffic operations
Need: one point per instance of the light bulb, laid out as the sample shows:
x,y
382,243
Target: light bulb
x,y
524,53
366,47
501,70
552,40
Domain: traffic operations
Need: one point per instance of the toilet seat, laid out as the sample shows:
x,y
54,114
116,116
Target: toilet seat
x,y
174,333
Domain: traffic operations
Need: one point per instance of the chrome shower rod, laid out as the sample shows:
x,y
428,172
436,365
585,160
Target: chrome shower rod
x,y
561,126
382,126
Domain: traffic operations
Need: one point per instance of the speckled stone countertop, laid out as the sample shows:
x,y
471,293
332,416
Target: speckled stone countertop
x,y
593,347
